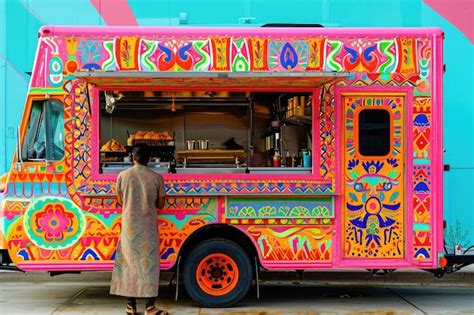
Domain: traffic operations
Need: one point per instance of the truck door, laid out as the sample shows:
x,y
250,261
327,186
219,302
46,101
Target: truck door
x,y
373,208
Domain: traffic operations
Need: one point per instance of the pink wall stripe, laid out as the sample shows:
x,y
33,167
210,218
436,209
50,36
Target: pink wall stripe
x,y
115,12
460,13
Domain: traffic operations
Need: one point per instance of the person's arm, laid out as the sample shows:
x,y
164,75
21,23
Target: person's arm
x,y
160,202
119,190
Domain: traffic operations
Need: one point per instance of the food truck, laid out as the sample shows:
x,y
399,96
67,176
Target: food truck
x,y
281,149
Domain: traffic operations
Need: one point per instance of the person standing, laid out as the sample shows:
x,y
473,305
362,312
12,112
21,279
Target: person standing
x,y
136,272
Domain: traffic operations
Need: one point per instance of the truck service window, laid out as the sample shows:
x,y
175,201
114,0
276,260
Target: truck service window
x,y
44,138
374,132
208,132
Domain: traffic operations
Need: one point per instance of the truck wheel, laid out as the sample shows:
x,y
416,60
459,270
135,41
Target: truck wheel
x,y
217,273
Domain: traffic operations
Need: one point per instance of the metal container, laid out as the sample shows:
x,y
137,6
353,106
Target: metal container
x,y
203,144
190,144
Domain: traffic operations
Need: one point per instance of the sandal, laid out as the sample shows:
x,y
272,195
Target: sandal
x,y
152,310
131,310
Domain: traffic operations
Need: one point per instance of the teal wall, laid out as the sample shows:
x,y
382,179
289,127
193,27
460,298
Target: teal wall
x,y
21,19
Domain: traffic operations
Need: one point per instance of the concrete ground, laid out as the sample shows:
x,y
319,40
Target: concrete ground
x,y
281,293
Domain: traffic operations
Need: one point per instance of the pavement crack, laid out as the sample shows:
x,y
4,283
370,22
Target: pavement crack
x,y
408,301
69,301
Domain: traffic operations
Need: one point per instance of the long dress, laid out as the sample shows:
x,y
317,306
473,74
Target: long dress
x,y
136,270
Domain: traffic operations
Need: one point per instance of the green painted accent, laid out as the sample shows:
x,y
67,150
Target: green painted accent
x,y
385,46
205,59
421,227
40,90
336,47
382,196
209,209
418,93
392,174
151,47
353,197
6,225
394,196
421,161
279,208
109,63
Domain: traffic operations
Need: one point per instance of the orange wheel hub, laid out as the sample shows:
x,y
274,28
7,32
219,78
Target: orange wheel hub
x,y
217,274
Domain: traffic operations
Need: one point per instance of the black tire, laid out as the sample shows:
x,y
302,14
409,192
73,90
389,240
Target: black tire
x,y
217,246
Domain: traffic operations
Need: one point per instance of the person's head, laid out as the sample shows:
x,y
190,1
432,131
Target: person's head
x,y
141,154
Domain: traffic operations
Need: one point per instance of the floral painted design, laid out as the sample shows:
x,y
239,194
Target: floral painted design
x,y
127,52
54,223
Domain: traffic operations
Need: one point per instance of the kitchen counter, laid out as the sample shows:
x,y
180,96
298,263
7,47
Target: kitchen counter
x,y
210,169
117,167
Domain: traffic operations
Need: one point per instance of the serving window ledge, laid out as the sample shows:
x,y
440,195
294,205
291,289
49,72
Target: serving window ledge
x,y
279,170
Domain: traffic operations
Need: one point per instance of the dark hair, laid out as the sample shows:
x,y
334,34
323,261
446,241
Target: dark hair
x,y
141,153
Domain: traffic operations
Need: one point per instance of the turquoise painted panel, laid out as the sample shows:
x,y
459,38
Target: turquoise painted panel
x,y
151,12
60,12
210,12
459,204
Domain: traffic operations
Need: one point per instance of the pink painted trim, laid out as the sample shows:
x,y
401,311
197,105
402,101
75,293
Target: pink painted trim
x,y
206,88
408,169
82,266
316,145
50,30
95,142
458,13
339,92
95,139
437,167
337,246
292,265
115,12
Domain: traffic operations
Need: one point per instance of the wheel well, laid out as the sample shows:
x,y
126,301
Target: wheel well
x,y
219,231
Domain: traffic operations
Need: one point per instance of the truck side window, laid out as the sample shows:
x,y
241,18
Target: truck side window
x,y
374,132
44,138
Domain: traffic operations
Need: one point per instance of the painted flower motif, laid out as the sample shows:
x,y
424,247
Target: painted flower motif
x,y
55,221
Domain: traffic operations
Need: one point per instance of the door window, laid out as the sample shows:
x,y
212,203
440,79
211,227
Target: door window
x,y
374,132
44,138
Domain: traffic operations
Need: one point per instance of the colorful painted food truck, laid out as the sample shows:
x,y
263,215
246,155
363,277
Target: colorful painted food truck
x,y
281,149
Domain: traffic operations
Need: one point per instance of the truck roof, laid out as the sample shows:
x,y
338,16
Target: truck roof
x,y
52,30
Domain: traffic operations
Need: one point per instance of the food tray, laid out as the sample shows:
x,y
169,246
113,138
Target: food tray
x,y
152,142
